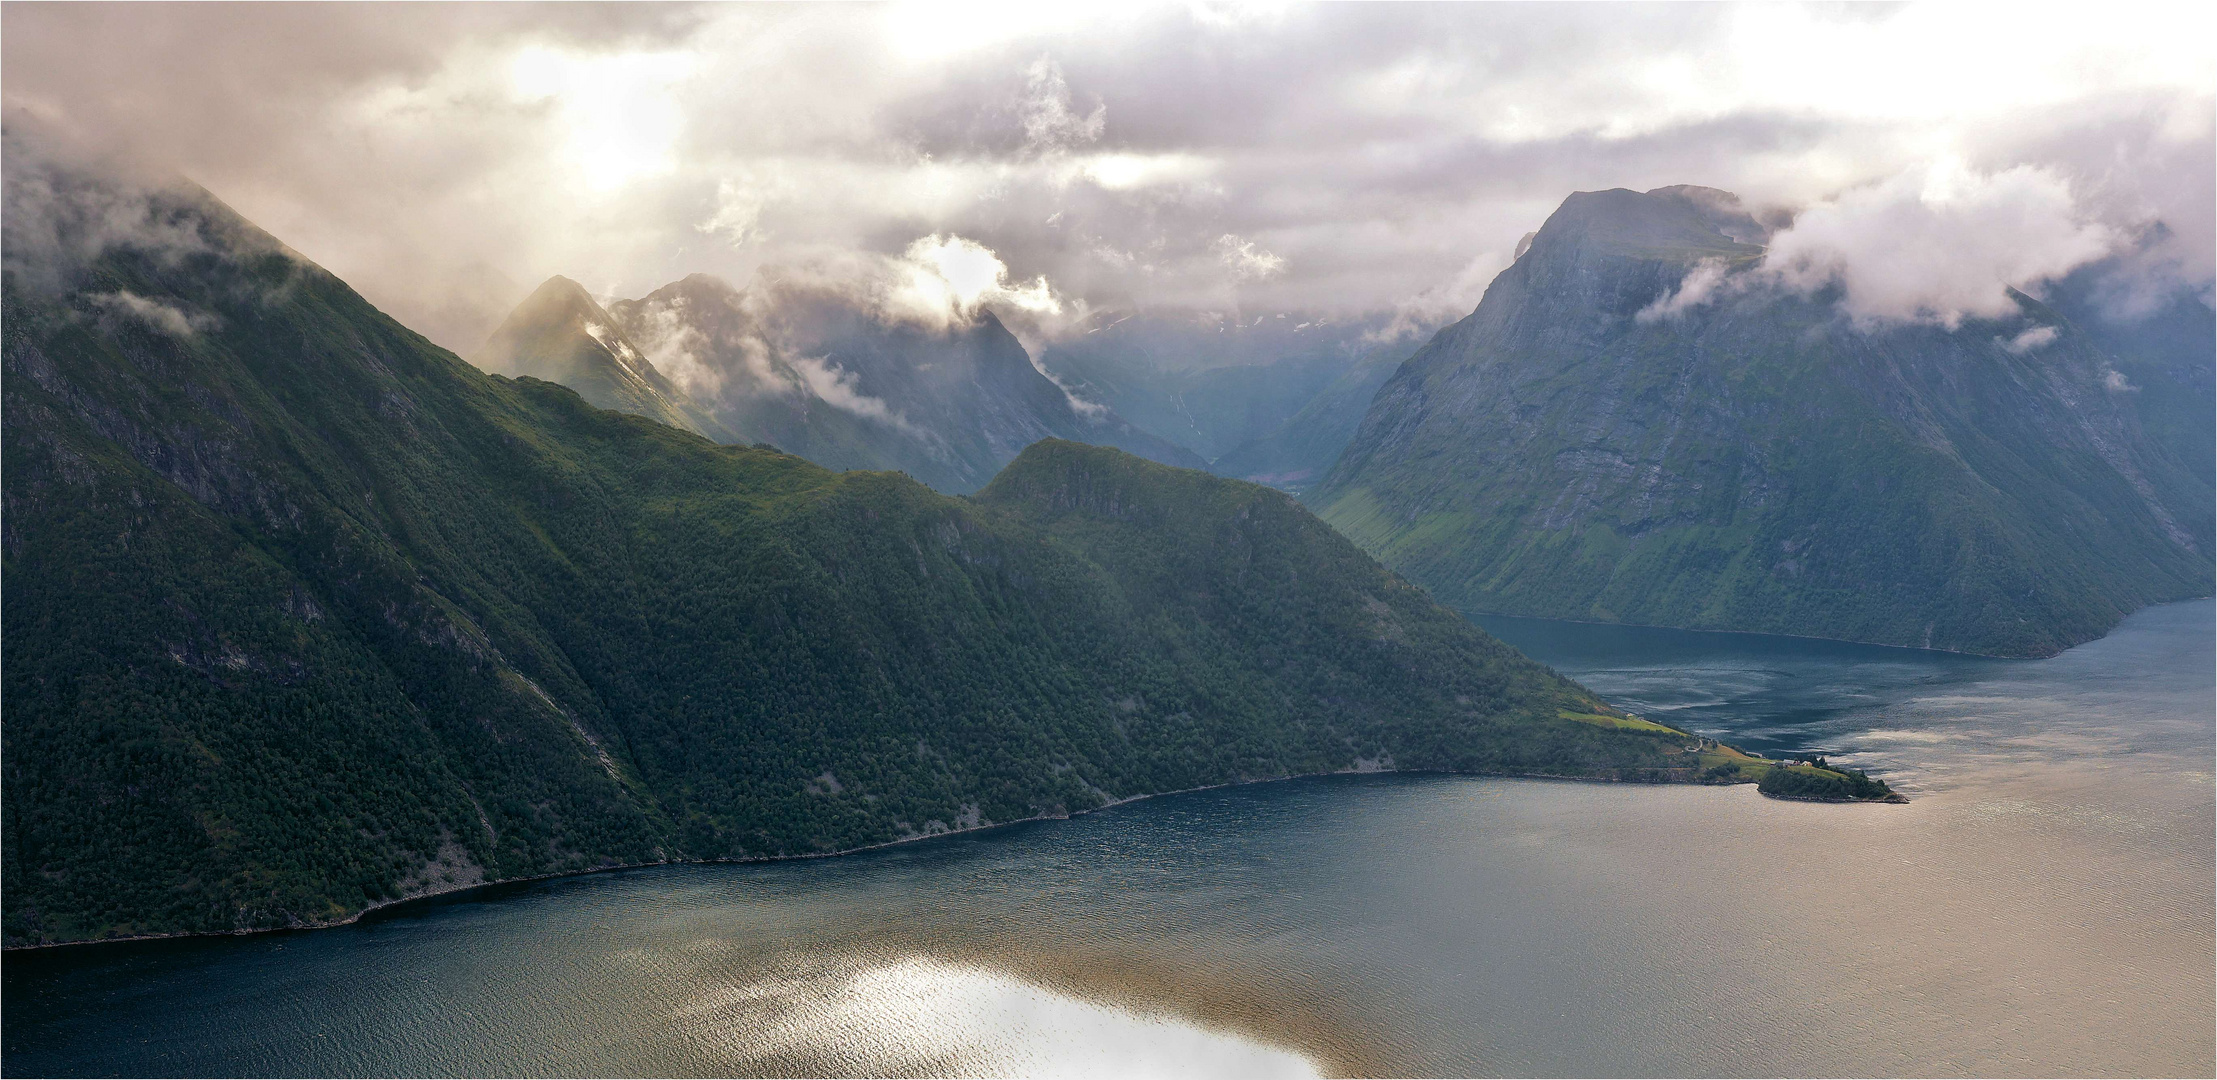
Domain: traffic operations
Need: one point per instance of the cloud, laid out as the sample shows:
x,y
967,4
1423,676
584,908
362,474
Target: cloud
x,y
2031,338
2115,382
1248,262
1131,172
1939,244
64,206
946,279
428,154
680,350
777,335
1701,284
1050,125
840,389
1443,303
2154,271
167,318
618,117
738,214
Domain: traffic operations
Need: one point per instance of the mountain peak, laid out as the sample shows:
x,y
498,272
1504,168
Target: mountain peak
x,y
705,283
1725,212
1670,223
562,335
692,288
559,297
1757,463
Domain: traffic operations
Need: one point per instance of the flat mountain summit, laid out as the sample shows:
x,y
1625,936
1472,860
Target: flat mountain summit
x,y
1635,426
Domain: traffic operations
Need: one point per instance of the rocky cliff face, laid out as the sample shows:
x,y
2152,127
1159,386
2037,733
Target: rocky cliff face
x,y
1634,426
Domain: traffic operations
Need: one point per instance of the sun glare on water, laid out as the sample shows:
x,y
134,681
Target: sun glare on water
x,y
920,1016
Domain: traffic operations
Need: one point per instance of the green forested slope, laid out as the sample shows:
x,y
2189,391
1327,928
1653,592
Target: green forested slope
x,y
1760,462
303,613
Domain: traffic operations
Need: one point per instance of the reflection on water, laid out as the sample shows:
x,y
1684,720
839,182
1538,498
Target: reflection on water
x,y
2043,906
926,1017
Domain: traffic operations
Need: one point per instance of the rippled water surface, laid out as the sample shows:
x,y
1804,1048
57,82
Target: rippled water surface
x,y
2043,906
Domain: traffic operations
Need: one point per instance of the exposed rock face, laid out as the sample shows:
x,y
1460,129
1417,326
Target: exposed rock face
x,y
1633,426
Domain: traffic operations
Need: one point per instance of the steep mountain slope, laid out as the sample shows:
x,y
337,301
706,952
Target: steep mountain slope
x,y
821,375
2166,352
1580,448
560,334
304,613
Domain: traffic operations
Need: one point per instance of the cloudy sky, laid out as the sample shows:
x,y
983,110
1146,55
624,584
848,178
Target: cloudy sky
x,y
1339,159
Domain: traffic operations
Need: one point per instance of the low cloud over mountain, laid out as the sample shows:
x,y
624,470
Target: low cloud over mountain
x,y
1339,160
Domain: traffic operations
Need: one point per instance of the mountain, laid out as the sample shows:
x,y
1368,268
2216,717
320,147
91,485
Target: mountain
x,y
560,334
1206,381
825,376
1590,444
305,614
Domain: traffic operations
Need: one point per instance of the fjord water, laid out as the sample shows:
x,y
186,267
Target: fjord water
x,y
2042,906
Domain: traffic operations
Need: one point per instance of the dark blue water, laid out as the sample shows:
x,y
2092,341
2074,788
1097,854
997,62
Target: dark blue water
x,y
2044,906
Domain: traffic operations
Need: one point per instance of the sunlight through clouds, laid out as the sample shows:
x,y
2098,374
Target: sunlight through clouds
x,y
619,121
1376,150
949,274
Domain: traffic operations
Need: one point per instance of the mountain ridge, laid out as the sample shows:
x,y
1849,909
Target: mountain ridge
x,y
306,614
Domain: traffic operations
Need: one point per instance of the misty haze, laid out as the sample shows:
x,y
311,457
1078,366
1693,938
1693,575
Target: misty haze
x,y
1212,539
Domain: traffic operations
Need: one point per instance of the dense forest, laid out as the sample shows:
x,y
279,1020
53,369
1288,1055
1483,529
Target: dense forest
x,y
304,613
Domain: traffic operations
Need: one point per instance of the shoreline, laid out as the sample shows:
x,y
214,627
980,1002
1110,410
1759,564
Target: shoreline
x,y
1893,798
382,905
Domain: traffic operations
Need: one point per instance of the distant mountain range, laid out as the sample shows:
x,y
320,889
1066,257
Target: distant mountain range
x,y
813,372
305,614
1581,447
